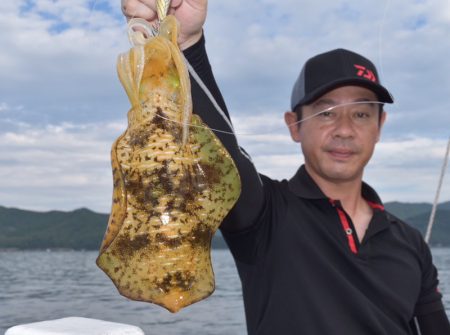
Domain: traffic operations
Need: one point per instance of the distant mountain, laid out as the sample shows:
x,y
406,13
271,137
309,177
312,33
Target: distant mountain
x,y
79,229
418,215
84,229
440,234
406,210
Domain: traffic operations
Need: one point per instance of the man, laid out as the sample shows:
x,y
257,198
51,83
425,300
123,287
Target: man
x,y
317,254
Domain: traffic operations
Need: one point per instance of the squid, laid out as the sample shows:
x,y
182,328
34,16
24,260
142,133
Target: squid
x,y
173,180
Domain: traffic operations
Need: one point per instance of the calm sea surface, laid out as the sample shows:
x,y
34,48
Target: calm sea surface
x,y
38,285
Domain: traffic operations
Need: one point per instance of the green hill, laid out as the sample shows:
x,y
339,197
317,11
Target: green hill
x,y
406,210
441,230
79,229
84,229
418,215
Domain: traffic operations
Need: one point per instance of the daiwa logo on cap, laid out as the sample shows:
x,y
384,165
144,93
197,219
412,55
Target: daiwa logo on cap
x,y
365,73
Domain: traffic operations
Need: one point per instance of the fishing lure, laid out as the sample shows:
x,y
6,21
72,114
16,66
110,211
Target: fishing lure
x,y
174,182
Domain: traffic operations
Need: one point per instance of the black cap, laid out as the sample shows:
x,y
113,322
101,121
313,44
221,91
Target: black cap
x,y
332,69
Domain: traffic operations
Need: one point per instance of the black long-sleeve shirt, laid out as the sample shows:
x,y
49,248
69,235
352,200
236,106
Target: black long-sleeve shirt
x,y
302,268
208,103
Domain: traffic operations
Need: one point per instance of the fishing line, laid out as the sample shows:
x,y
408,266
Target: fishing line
x,y
278,129
93,6
380,37
326,110
91,11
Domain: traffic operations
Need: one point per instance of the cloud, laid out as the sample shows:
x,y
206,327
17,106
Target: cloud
x,y
67,166
61,166
408,169
403,168
60,55
61,104
406,40
4,107
62,74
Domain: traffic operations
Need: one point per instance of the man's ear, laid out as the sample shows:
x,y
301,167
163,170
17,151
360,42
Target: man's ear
x,y
291,121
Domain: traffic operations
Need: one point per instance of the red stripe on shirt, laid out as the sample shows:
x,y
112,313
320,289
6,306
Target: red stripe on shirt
x,y
346,226
375,205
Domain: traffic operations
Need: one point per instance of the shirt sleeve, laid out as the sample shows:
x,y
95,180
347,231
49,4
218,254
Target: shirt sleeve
x,y
430,299
209,104
435,323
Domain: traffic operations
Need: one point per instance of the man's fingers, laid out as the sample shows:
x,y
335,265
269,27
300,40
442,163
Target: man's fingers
x,y
135,8
175,3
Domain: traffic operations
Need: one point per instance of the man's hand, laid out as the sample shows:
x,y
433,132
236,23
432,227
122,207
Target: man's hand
x,y
190,13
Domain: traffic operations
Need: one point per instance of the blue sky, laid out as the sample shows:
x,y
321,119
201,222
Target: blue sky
x,y
62,106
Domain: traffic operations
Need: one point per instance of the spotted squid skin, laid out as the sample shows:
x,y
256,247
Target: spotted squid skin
x,y
169,196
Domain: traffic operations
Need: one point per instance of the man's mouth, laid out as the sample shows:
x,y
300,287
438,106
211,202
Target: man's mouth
x,y
340,153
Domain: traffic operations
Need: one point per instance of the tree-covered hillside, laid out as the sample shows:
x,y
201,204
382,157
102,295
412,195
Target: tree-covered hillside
x,y
84,229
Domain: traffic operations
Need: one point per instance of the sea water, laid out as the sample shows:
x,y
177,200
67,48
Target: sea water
x,y
44,285
39,285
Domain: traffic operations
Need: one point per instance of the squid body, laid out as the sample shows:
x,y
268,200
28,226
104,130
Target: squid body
x,y
174,182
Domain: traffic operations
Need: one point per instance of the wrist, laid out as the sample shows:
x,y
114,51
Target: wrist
x,y
196,53
193,39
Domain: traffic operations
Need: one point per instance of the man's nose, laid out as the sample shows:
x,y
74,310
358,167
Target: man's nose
x,y
344,126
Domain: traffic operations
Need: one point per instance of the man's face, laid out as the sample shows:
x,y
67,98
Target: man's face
x,y
338,143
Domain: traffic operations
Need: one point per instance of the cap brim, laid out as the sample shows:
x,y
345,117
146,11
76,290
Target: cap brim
x,y
381,92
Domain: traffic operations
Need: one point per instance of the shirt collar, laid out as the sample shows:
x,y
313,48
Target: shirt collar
x,y
303,186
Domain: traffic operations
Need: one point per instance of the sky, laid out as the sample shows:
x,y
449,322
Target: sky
x,y
62,106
